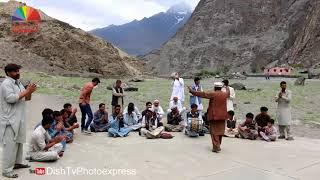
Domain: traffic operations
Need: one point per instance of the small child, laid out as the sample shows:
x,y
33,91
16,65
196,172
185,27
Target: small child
x,y
270,132
231,129
231,121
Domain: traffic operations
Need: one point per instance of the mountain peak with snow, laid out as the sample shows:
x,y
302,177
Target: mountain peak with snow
x,y
180,8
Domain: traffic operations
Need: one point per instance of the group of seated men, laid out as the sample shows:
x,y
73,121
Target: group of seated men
x,y
50,136
262,126
149,123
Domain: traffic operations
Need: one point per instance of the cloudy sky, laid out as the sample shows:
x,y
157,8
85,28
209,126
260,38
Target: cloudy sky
x,y
90,14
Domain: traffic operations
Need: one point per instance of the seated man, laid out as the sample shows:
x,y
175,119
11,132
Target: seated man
x,y
45,112
148,105
175,122
72,118
195,122
42,147
116,121
269,132
247,129
158,110
231,129
262,119
57,129
176,102
136,110
131,118
67,126
100,120
150,125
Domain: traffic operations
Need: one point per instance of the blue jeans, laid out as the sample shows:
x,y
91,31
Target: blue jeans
x,y
85,110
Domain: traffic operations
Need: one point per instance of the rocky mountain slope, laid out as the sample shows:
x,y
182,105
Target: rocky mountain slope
x,y
59,48
140,37
244,35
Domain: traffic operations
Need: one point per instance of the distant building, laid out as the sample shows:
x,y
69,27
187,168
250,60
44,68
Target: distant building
x,y
277,71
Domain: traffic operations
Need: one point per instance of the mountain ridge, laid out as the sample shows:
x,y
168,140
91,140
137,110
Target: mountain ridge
x,y
241,36
61,49
140,37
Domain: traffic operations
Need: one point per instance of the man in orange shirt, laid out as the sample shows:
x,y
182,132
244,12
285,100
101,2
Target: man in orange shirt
x,y
217,112
84,103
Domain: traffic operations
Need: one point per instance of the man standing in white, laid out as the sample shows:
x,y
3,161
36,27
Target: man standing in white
x,y
177,87
12,120
283,99
231,98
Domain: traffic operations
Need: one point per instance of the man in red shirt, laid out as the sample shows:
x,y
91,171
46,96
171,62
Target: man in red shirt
x,y
217,112
84,103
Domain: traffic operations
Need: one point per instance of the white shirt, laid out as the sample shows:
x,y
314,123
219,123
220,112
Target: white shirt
x,y
12,109
177,104
231,98
178,89
38,140
136,110
158,110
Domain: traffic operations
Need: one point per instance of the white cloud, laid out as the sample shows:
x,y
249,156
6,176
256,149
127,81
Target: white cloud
x,y
90,14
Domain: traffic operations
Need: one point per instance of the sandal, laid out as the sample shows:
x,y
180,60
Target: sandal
x,y
21,166
10,175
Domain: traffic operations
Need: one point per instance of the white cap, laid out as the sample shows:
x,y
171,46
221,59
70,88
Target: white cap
x,y
218,84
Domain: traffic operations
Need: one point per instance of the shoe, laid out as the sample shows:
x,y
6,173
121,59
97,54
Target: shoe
x,y
281,137
10,175
289,138
219,149
86,132
215,150
21,166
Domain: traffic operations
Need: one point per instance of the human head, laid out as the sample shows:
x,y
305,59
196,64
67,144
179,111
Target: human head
x,y
175,75
130,108
102,107
13,71
118,83
194,108
64,114
156,103
47,112
231,114
68,107
197,80
226,82
283,85
95,81
175,99
117,109
174,109
218,86
264,110
148,105
270,122
57,115
249,117
47,122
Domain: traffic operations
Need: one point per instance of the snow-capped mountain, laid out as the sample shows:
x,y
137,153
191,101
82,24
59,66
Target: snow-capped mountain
x,y
141,37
